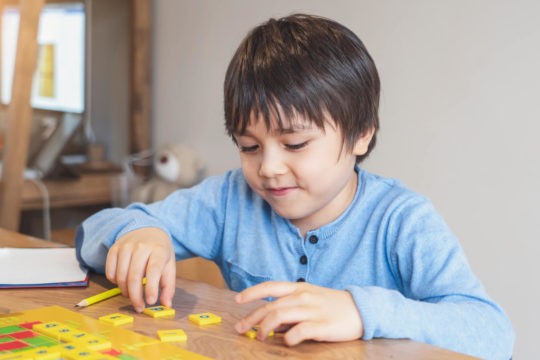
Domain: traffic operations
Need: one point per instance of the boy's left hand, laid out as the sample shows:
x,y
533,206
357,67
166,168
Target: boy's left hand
x,y
309,311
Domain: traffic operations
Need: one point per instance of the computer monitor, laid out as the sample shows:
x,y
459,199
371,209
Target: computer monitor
x,y
59,79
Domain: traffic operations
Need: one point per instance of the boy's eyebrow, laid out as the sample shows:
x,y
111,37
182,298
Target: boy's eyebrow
x,y
280,131
293,129
288,130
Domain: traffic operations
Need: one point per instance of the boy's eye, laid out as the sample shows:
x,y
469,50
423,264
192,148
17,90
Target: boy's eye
x,y
248,149
296,146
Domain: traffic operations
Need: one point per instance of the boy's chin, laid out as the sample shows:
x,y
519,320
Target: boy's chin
x,y
289,214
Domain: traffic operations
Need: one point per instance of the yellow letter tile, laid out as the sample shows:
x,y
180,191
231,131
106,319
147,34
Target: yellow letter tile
x,y
159,311
116,319
252,333
204,318
172,335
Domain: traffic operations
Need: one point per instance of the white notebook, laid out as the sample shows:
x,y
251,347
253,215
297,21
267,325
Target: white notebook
x,y
40,267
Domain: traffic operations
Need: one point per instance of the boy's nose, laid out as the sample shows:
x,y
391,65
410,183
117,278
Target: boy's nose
x,y
271,165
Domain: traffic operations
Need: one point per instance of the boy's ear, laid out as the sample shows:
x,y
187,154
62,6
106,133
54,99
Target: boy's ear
x,y
362,144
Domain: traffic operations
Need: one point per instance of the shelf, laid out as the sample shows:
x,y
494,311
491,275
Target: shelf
x,y
89,189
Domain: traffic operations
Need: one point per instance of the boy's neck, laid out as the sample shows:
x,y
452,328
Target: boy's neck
x,y
342,202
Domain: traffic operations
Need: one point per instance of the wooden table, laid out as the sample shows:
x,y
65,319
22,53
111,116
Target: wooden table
x,y
216,341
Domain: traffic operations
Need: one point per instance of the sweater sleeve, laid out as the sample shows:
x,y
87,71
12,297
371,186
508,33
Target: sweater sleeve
x,y
439,301
193,219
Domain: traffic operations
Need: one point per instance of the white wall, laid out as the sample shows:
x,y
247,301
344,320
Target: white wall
x,y
459,114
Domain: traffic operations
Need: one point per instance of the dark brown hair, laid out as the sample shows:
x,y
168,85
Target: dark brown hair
x,y
306,65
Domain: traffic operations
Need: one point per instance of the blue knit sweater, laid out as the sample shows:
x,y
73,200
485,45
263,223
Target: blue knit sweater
x,y
390,249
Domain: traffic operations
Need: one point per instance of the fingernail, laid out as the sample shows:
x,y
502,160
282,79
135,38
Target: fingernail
x,y
238,327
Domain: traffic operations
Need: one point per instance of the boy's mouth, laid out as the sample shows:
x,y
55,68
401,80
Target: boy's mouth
x,y
281,191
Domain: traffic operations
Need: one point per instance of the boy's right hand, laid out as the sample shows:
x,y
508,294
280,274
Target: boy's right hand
x,y
146,252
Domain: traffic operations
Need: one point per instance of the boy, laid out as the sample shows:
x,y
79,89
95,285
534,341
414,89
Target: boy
x,y
343,253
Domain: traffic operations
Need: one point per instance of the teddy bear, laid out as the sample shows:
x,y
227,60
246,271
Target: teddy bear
x,y
175,166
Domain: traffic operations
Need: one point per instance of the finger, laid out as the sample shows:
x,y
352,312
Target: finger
x,y
135,290
307,330
110,264
283,328
261,313
282,317
168,284
123,263
135,277
267,289
154,270
249,321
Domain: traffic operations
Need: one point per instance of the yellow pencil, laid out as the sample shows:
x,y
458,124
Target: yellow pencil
x,y
102,296
99,297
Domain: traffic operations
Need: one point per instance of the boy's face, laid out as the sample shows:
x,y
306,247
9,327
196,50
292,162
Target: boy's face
x,y
302,171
